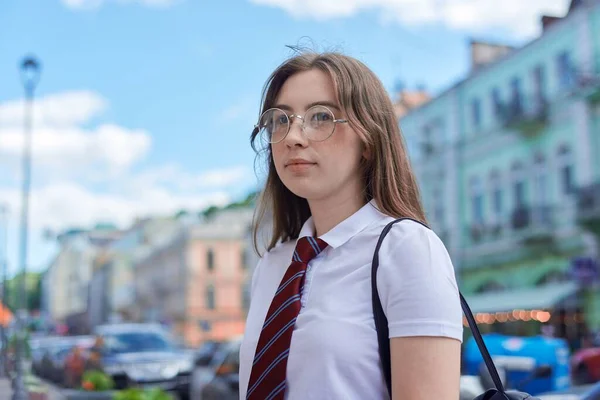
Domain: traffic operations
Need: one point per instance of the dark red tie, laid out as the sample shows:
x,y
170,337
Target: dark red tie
x,y
268,376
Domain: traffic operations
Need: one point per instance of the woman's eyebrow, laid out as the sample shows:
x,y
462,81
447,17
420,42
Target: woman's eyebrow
x,y
325,103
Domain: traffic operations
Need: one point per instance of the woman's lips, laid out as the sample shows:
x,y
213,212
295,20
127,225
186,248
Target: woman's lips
x,y
299,165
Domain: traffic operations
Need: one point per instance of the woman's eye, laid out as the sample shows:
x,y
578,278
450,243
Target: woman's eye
x,y
321,117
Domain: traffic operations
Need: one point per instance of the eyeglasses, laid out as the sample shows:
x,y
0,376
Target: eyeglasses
x,y
318,124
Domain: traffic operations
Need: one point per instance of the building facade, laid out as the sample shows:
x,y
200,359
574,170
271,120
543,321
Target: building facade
x,y
111,289
67,279
508,167
194,281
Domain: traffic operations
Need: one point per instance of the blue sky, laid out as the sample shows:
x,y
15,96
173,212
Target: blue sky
x,y
146,106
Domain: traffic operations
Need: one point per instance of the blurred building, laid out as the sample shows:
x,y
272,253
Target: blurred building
x,y
194,281
508,165
111,289
67,279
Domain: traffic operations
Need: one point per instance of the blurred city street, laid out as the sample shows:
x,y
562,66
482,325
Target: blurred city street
x,y
128,186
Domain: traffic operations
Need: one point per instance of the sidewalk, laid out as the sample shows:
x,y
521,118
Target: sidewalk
x,y
6,391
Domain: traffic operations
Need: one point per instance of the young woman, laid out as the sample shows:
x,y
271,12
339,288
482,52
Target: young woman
x,y
338,172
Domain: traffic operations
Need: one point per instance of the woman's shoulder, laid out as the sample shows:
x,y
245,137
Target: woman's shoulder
x,y
404,230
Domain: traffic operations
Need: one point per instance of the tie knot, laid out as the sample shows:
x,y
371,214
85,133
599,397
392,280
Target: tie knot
x,y
308,248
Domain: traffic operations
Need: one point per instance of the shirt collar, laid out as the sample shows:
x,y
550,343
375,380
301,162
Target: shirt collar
x,y
346,229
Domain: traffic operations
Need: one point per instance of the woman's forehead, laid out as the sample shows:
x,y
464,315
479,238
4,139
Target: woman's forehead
x,y
306,89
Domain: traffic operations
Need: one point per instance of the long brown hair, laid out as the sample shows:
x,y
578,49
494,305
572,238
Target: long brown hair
x,y
387,172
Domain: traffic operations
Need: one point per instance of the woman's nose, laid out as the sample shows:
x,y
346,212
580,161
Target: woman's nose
x,y
295,136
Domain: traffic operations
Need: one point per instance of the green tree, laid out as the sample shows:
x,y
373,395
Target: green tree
x,y
33,290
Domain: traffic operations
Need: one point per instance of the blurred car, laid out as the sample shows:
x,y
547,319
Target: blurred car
x,y
470,387
533,364
144,355
51,365
208,359
584,392
225,381
39,347
203,371
585,366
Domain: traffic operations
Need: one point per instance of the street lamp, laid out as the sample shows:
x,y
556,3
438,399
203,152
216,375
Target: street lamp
x,y
3,266
30,75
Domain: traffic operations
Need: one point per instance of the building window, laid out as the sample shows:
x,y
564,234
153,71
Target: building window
x,y
477,201
517,95
210,297
541,180
519,186
476,112
566,175
496,194
497,201
496,102
519,193
539,83
210,260
566,170
564,70
244,259
427,146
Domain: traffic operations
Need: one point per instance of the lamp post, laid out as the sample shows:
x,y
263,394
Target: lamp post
x,y
30,75
3,265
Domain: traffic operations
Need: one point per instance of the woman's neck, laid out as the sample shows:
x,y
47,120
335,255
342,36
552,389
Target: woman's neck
x,y
328,213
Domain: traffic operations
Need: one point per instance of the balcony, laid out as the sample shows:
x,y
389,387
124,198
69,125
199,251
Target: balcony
x,y
526,117
534,226
588,207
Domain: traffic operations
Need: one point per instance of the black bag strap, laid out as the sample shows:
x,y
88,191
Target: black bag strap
x,y
381,322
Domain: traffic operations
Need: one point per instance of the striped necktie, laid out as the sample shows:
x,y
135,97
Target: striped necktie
x,y
268,376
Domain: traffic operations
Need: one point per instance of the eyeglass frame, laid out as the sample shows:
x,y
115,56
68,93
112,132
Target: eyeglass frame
x,y
301,118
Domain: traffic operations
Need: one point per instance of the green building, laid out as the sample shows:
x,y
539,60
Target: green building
x,y
508,164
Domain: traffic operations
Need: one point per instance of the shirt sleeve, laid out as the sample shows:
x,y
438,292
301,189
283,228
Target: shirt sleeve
x,y
417,284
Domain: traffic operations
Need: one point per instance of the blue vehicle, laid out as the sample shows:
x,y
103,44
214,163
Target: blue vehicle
x,y
530,364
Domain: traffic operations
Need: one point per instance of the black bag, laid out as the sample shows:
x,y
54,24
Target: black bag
x,y
381,323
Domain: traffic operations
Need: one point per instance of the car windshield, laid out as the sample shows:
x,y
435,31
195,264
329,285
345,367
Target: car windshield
x,y
134,342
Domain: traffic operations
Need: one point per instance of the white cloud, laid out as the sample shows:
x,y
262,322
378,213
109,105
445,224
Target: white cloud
x,y
93,4
60,146
519,17
109,147
65,204
62,109
174,176
86,170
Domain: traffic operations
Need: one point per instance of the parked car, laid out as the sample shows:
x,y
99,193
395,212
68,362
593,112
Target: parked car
x,y
225,381
203,371
585,366
208,359
584,392
144,355
530,364
51,365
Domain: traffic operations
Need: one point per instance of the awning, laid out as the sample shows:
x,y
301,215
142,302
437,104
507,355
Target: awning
x,y
536,298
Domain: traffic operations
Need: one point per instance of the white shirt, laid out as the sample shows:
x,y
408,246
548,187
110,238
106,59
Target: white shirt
x,y
334,350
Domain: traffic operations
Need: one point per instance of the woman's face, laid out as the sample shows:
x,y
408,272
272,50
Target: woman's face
x,y
317,170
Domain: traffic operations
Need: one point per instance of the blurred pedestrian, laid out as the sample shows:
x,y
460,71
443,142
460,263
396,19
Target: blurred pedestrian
x,y
94,360
338,173
74,367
